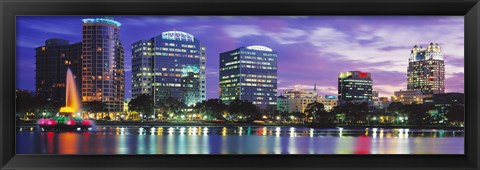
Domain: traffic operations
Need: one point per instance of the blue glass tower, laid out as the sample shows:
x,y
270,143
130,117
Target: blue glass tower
x,y
169,65
102,64
249,73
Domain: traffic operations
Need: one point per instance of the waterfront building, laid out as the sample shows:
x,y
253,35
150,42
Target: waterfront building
x,y
375,99
440,104
283,104
409,96
299,93
355,86
103,64
329,102
125,104
426,70
249,73
383,102
51,63
170,65
298,103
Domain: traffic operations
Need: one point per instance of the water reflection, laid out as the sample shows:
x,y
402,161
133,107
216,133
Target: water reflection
x,y
239,140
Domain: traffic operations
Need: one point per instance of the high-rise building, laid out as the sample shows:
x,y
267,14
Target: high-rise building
x,y
169,65
426,70
249,73
52,61
102,63
354,86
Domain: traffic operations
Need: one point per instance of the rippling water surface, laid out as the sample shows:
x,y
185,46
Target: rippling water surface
x,y
239,140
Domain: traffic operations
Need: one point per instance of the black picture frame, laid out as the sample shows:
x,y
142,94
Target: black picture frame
x,y
11,8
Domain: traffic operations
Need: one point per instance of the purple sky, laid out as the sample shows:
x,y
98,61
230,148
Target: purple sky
x,y
310,49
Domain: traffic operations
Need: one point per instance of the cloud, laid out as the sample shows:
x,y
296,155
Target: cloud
x,y
238,31
456,82
151,20
289,36
326,38
128,68
212,73
53,28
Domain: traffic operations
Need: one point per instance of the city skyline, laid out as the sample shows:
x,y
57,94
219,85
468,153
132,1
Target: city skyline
x,y
369,44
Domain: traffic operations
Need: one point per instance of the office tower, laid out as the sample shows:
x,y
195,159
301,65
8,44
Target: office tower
x,y
52,61
103,65
169,65
249,73
354,86
426,70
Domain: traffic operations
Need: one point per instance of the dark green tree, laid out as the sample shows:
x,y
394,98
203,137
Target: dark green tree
x,y
244,109
94,106
213,108
142,104
416,113
174,106
315,110
456,114
23,99
350,112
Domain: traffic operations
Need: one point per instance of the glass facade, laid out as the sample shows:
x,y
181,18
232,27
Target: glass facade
x,y
52,61
426,70
354,86
249,73
103,63
169,65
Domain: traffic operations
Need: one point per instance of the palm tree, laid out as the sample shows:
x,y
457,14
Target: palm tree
x,y
315,109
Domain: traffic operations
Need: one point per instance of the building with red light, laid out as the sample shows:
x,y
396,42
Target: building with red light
x,y
354,86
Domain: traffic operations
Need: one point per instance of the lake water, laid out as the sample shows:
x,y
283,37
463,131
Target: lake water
x,y
239,140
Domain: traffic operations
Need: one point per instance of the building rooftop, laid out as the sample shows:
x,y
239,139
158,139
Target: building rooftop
x,y
177,35
259,48
102,20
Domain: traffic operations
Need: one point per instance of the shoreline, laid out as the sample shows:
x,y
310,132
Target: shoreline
x,y
233,124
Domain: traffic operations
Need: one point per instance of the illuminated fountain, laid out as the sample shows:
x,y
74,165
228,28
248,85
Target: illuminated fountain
x,y
67,119
72,100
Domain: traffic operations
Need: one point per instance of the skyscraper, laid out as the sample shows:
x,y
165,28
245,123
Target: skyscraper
x,y
426,70
102,63
169,65
52,61
249,73
354,86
